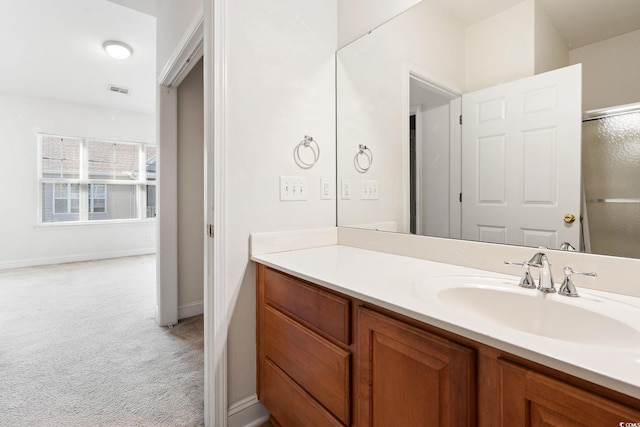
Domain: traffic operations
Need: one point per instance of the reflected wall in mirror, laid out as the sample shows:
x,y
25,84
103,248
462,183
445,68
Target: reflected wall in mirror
x,y
401,90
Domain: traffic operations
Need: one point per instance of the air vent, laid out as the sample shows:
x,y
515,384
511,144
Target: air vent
x,y
119,89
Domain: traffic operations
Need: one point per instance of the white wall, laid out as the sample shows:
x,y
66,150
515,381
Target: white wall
x,y
373,103
191,194
501,48
280,87
550,51
25,243
357,17
610,71
173,18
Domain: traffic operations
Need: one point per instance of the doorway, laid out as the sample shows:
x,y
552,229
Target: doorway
x,y
433,158
190,193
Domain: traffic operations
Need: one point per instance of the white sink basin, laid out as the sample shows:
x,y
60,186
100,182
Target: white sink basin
x,y
585,320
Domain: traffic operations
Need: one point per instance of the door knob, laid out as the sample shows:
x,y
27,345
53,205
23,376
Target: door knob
x,y
569,218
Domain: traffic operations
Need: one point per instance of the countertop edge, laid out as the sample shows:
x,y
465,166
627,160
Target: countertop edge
x,y
517,350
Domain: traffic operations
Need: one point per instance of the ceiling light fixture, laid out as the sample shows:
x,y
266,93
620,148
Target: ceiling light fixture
x,y
117,50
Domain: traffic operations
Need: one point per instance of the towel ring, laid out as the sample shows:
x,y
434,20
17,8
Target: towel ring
x,y
365,155
310,143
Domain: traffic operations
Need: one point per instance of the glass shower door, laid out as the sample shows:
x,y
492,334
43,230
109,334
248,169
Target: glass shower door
x,y
611,176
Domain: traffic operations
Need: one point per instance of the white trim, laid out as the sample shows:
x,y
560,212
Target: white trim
x,y
215,307
192,309
248,412
166,205
35,262
406,100
94,223
455,168
189,50
611,111
91,138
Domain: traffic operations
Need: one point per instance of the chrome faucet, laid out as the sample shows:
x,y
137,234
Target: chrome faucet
x,y
566,246
568,288
545,282
527,280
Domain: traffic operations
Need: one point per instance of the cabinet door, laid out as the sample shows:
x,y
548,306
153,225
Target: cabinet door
x,y
409,377
530,398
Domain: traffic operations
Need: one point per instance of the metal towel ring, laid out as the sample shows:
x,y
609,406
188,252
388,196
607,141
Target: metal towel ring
x,y
367,155
310,143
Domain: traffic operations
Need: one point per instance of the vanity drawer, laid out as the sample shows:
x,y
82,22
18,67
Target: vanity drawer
x,y
283,394
327,312
321,368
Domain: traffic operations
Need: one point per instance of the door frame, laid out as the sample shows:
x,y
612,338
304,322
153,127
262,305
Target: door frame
x,y
215,299
409,73
185,56
203,38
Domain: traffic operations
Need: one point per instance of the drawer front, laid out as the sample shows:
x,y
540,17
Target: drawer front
x,y
318,366
534,399
328,313
283,394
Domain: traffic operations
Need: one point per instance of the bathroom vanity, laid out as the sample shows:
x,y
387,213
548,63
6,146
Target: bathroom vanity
x,y
348,336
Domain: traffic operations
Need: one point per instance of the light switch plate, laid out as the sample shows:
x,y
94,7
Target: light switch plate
x,y
369,190
325,189
345,189
293,188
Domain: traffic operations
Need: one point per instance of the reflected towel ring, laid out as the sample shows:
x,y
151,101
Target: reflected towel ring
x,y
310,143
367,160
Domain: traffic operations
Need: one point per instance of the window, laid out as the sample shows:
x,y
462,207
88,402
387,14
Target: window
x,y
97,198
84,179
66,199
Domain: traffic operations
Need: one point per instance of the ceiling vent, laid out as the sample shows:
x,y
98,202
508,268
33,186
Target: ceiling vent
x,y
119,89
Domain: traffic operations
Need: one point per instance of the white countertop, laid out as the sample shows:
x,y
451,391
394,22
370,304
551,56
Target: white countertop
x,y
391,281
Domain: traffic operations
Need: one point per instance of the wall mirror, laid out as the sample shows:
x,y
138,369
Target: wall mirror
x,y
512,122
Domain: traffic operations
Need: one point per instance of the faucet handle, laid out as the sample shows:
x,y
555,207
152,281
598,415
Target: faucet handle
x,y
536,260
527,280
566,246
568,288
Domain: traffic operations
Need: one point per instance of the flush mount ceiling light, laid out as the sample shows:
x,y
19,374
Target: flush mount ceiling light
x,y
117,50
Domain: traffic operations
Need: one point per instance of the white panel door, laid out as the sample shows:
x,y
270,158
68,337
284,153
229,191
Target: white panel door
x,y
521,146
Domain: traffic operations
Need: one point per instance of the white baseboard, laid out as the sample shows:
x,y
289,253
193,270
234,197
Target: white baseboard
x,y
191,309
35,262
248,412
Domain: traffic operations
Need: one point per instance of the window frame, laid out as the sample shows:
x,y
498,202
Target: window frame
x,y
86,204
93,198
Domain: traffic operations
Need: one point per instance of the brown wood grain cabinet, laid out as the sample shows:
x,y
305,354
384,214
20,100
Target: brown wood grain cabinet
x,y
304,351
409,377
327,359
530,398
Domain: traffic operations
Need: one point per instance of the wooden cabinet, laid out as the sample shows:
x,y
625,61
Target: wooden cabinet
x,y
530,398
409,377
327,359
304,351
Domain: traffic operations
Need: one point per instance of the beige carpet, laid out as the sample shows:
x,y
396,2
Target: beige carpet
x,y
79,347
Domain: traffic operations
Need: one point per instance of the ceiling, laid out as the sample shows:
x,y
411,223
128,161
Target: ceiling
x,y
53,49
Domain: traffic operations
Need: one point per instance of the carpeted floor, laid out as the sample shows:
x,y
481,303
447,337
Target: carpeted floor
x,y
79,347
